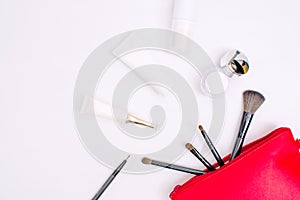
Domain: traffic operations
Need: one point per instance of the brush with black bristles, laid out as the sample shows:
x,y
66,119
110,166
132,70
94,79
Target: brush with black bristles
x,y
252,101
148,161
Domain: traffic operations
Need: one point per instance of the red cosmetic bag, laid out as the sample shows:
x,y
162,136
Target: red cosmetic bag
x,y
268,168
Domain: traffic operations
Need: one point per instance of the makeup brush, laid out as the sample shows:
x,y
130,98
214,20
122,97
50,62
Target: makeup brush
x,y
196,153
110,179
252,101
211,146
135,120
104,110
148,161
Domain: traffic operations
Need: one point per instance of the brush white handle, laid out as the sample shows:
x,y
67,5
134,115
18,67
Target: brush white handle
x,y
101,109
104,110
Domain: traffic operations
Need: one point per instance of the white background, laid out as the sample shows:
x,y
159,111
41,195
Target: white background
x,y
43,45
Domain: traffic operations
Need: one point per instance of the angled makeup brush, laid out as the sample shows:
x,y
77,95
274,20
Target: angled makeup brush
x,y
211,146
252,101
136,120
104,110
196,153
110,179
148,161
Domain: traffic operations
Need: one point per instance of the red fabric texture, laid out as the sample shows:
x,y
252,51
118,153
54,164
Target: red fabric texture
x,y
268,168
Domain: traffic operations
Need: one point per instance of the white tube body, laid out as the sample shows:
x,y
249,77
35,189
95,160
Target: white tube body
x,y
183,17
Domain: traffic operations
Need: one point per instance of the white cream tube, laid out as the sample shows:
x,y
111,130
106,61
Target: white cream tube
x,y
183,16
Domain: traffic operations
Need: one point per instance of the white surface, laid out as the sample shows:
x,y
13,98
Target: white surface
x,y
44,43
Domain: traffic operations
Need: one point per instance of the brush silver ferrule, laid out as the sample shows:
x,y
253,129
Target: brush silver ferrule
x,y
245,123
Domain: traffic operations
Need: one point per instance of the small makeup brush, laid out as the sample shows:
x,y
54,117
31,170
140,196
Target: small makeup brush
x,y
110,179
148,161
196,153
104,110
211,146
252,101
135,120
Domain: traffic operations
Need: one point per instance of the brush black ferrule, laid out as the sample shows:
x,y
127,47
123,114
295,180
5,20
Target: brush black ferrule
x,y
245,123
196,153
178,168
119,168
212,148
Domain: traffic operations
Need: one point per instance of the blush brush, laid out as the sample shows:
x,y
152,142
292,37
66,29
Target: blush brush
x,y
252,101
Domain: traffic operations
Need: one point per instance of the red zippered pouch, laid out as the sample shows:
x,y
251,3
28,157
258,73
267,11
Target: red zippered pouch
x,y
268,168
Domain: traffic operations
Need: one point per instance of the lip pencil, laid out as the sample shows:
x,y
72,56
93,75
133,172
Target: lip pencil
x,y
110,179
211,146
148,161
196,153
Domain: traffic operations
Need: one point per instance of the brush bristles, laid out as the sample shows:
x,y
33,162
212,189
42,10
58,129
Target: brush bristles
x,y
146,161
189,146
252,101
201,128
